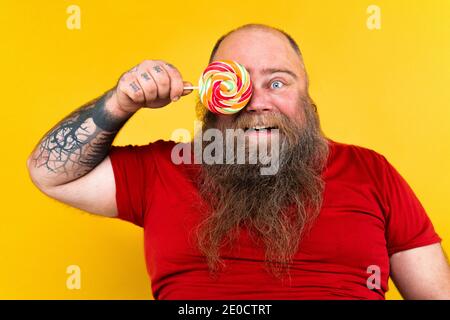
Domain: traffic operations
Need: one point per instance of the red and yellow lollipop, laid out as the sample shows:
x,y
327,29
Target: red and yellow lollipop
x,y
225,87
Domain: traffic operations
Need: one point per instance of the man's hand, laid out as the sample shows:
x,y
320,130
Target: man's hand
x,y
71,162
151,84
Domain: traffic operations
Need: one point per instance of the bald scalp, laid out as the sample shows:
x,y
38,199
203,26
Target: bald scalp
x,y
263,27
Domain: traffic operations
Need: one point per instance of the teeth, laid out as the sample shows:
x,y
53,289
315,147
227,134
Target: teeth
x,y
260,128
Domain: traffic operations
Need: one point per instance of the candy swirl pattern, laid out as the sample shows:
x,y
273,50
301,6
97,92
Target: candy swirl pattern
x,y
225,87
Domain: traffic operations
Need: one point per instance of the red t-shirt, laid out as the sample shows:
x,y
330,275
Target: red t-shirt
x,y
369,213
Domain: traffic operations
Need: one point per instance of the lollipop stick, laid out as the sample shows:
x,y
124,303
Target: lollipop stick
x,y
190,88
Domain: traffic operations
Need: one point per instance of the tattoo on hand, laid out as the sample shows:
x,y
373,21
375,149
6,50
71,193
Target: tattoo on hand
x,y
145,76
134,86
157,69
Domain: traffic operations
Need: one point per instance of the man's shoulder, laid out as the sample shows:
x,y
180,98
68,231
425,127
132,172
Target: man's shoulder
x,y
352,149
163,145
159,149
356,155
159,145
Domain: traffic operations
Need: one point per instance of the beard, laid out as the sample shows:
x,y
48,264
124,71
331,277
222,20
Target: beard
x,y
277,209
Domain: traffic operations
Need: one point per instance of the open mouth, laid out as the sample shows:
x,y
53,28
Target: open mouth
x,y
259,129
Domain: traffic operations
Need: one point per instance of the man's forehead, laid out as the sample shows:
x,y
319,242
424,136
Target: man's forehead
x,y
260,51
271,70
261,65
266,67
255,33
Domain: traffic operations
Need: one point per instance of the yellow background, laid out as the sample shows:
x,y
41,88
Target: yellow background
x,y
383,89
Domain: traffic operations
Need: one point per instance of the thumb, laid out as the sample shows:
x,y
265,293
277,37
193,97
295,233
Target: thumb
x,y
187,91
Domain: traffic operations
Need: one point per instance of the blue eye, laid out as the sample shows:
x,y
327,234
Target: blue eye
x,y
276,84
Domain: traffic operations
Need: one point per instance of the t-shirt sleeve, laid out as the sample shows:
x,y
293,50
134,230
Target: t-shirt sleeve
x,y
407,223
134,172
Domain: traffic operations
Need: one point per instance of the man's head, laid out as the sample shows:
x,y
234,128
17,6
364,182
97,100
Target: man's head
x,y
276,67
277,208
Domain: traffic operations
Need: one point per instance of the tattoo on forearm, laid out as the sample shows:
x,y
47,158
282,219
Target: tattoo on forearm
x,y
80,141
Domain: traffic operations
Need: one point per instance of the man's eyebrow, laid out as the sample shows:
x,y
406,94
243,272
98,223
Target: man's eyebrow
x,y
277,70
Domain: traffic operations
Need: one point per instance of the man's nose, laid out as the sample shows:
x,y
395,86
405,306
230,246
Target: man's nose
x,y
259,102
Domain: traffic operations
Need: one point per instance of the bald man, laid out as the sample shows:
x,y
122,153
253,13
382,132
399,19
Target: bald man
x,y
334,221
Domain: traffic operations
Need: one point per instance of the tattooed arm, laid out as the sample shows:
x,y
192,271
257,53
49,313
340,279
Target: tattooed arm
x,y
76,146
78,143
71,162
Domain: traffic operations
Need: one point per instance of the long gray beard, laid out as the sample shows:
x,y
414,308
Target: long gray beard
x,y
277,209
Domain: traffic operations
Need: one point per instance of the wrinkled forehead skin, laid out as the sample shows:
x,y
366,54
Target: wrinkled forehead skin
x,y
262,48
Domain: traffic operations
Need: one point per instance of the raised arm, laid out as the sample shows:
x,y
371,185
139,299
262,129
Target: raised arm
x,y
71,163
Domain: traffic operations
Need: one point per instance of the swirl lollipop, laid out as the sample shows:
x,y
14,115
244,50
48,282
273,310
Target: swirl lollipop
x,y
224,87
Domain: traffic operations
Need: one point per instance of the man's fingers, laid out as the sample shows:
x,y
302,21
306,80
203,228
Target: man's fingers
x,y
187,91
151,84
176,81
161,78
147,83
129,85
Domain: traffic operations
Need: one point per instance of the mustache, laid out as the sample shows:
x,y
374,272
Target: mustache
x,y
288,127
247,120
